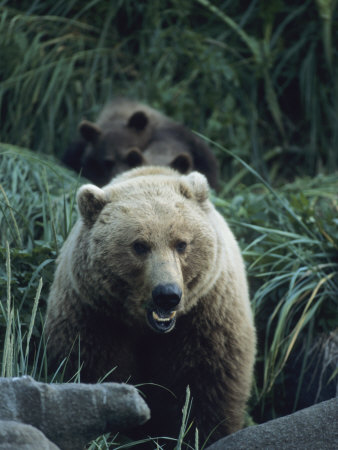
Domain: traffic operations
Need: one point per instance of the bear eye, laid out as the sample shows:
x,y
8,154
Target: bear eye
x,y
181,246
141,248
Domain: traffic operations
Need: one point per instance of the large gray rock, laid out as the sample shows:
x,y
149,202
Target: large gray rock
x,y
314,428
72,414
20,436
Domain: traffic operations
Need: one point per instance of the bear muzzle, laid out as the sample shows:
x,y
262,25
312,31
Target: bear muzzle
x,y
167,296
162,315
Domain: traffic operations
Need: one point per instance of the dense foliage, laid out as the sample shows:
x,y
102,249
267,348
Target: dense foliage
x,y
258,79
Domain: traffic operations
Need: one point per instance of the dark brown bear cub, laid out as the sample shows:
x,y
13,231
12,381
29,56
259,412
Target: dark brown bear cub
x,y
128,134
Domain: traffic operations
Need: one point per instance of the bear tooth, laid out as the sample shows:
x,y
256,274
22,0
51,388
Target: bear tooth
x,y
155,316
163,319
160,319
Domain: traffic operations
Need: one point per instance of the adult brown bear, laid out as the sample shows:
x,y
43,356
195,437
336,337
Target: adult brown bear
x,y
152,282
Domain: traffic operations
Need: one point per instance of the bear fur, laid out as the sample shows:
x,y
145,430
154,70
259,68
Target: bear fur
x,y
128,134
151,282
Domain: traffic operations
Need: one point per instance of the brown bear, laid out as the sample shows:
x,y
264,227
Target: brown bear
x,y
151,283
128,134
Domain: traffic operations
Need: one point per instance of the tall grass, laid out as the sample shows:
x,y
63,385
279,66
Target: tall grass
x,y
36,214
16,349
254,78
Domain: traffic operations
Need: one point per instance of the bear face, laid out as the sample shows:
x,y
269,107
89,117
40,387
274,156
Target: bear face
x,y
113,148
162,263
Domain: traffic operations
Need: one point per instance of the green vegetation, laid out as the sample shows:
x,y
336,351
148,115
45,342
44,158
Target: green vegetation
x,y
259,80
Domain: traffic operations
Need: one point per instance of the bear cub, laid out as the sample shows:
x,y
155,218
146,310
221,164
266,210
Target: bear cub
x,y
150,286
128,134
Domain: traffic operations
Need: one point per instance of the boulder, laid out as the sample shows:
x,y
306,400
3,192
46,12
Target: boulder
x,y
20,436
72,414
312,428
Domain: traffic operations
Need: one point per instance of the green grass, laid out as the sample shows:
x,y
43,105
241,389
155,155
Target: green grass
x,y
299,285
260,80
37,212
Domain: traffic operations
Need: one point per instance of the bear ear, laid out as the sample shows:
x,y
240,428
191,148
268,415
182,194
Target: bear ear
x,y
138,121
198,186
182,163
89,131
134,157
90,201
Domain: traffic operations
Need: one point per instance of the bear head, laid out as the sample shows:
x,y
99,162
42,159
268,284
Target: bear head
x,y
115,148
149,245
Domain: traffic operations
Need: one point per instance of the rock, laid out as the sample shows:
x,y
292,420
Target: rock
x,y
20,436
311,429
72,414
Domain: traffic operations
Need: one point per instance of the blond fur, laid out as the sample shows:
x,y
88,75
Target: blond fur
x,y
102,289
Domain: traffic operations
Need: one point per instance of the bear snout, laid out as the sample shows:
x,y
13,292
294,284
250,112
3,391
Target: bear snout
x,y
167,296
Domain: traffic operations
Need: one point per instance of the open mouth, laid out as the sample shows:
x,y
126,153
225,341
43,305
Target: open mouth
x,y
161,321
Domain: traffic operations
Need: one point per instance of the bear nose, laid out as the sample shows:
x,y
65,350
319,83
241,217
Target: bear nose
x,y
167,296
